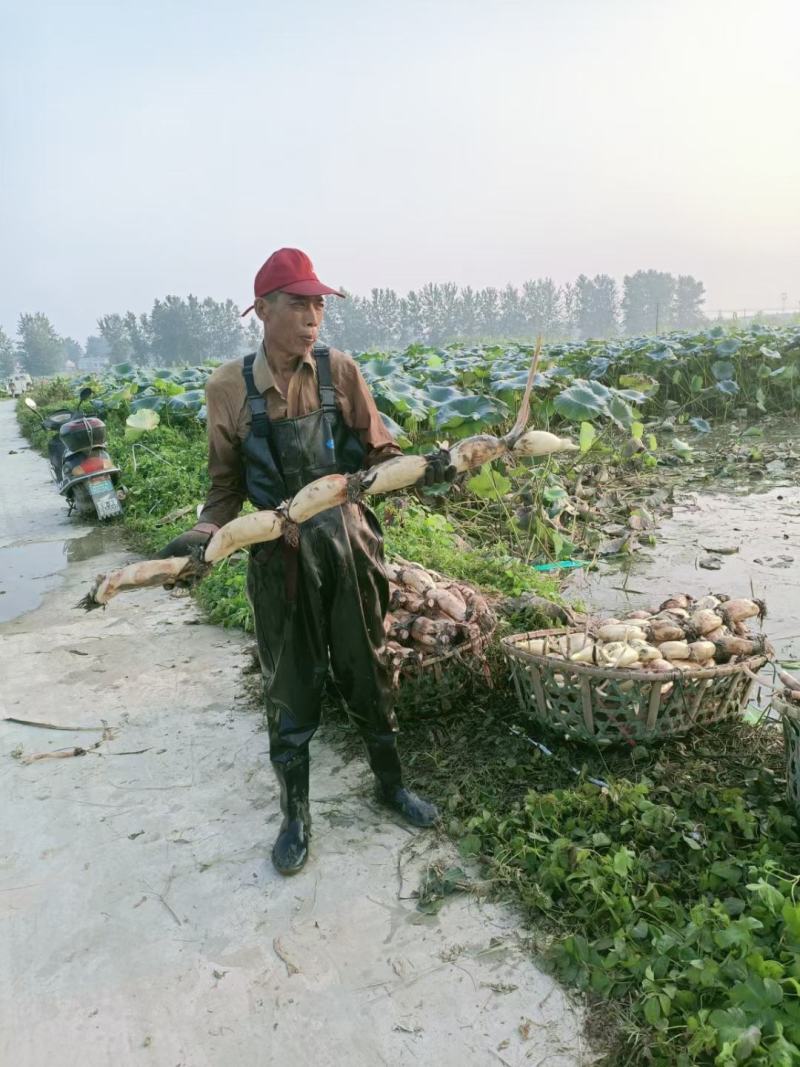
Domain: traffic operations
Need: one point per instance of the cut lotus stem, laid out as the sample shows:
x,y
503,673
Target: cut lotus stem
x,y
661,630
571,643
416,579
677,600
448,603
542,443
521,420
660,665
398,473
398,632
587,654
700,651
537,646
432,633
141,575
475,451
620,632
647,653
674,650
684,665
406,601
617,654
715,635
704,621
739,610
247,530
330,491
727,647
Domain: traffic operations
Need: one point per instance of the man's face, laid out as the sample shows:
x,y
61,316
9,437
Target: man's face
x,y
291,323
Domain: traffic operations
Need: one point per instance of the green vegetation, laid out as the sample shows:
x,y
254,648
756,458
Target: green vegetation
x,y
431,393
40,347
670,895
7,357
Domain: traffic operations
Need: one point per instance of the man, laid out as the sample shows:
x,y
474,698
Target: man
x,y
278,419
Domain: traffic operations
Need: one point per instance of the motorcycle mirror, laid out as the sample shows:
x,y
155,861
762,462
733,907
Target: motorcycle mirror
x,y
30,402
85,393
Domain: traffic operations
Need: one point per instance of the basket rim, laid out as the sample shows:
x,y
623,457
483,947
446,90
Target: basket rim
x,y
456,651
510,643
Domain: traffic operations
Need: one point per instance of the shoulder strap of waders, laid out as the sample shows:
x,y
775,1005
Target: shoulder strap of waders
x,y
327,394
258,405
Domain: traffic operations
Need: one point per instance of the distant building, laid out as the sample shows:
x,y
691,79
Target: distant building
x,y
19,383
94,364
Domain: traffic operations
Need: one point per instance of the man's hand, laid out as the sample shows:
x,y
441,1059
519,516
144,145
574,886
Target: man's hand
x,y
184,544
439,468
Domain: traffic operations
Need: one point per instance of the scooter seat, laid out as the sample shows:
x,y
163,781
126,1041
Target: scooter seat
x,y
56,420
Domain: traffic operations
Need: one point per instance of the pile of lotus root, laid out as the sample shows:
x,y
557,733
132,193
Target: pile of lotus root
x,y
681,634
430,615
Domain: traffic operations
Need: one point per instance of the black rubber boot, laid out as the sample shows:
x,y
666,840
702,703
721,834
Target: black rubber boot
x,y
385,763
290,851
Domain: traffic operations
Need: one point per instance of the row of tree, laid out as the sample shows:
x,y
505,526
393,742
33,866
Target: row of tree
x,y
179,330
650,301
39,349
176,331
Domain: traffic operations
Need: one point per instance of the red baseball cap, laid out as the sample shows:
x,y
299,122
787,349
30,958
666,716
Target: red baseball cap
x,y
289,271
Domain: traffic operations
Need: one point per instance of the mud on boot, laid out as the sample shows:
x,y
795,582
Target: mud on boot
x,y
385,763
414,809
290,851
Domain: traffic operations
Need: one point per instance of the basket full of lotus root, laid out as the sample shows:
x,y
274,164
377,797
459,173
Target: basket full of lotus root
x,y
647,675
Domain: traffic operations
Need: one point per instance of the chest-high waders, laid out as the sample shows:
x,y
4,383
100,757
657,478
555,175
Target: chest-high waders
x,y
318,606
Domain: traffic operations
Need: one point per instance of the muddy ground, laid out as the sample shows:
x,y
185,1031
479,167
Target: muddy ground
x,y
140,919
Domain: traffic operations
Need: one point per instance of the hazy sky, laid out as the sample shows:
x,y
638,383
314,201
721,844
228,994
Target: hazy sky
x,y
165,147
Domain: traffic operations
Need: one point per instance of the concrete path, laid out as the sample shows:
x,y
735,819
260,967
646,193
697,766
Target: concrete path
x,y
140,919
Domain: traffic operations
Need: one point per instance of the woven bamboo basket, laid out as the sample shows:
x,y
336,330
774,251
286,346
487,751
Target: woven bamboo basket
x,y
441,682
608,706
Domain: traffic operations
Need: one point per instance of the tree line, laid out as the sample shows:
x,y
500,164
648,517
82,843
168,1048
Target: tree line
x,y
181,330
650,301
176,331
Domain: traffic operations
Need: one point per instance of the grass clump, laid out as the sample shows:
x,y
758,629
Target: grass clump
x,y
670,897
415,532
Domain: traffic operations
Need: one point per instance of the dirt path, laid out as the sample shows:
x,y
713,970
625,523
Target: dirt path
x,y
140,919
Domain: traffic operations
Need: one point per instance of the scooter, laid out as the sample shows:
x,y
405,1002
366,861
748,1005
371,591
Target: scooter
x,y
82,468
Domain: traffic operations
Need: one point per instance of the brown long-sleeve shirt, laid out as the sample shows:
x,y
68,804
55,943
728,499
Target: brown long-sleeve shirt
x,y
229,420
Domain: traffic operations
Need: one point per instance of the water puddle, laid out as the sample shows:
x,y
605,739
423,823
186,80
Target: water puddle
x,y
27,572
98,540
32,569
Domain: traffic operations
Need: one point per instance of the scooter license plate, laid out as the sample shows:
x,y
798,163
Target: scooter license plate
x,y
104,498
100,486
